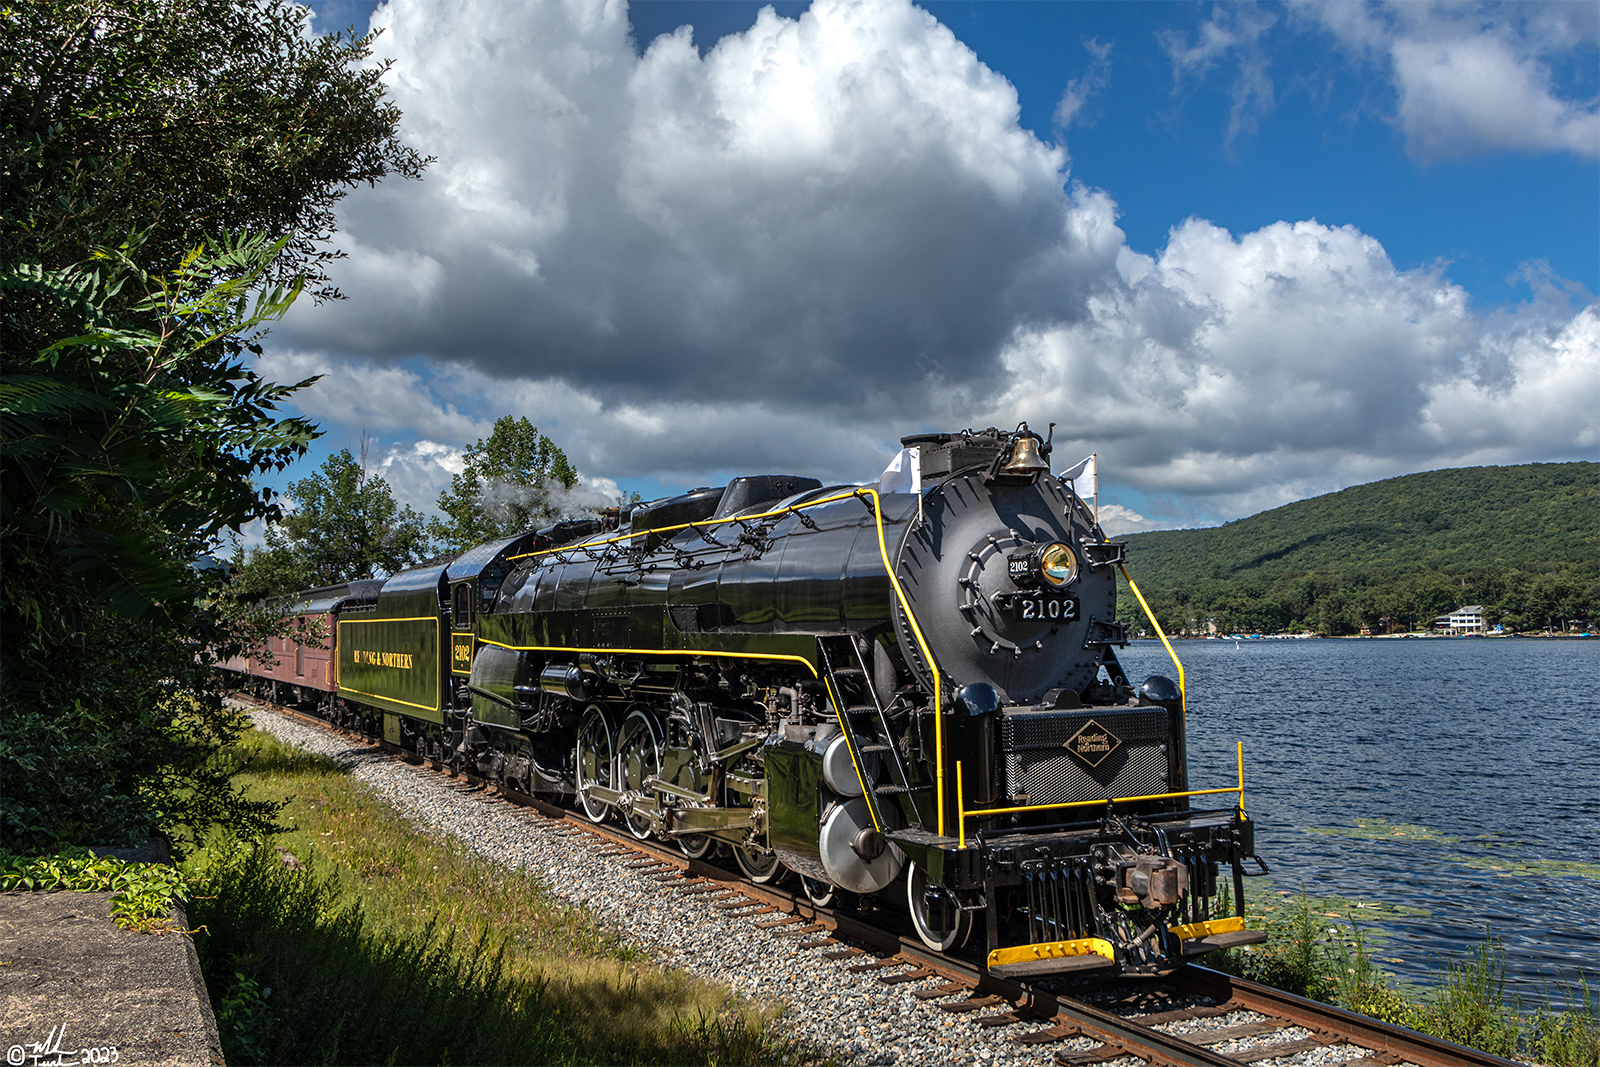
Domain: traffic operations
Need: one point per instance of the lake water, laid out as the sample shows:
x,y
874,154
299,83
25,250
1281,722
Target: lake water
x,y
1455,783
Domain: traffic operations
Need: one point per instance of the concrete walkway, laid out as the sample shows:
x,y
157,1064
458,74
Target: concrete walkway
x,y
74,986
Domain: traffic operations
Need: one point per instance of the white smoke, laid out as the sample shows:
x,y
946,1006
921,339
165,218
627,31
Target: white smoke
x,y
589,497
532,506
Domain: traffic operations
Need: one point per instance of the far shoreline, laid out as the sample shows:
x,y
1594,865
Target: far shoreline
x,y
1585,636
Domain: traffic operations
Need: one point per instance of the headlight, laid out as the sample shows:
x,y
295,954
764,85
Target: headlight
x,y
1047,565
1057,564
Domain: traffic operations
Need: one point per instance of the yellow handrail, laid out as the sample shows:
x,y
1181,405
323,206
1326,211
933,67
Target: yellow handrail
x,y
980,813
963,814
961,807
1241,778
1183,692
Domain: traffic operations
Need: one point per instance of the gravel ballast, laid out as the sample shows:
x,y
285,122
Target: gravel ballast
x,y
856,1018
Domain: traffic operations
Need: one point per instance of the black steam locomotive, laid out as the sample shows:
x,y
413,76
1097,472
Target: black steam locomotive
x,y
909,695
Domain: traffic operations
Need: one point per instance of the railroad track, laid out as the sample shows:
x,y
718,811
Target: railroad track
x,y
1193,1016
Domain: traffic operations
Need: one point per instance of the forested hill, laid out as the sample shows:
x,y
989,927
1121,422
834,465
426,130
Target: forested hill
x,y
1523,541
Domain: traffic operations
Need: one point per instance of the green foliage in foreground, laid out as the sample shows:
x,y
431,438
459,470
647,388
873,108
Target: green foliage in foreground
x,y
295,978
169,172
1305,956
131,430
1522,541
142,893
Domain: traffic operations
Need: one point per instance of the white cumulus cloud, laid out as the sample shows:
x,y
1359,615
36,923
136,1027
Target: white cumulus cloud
x,y
831,231
1479,78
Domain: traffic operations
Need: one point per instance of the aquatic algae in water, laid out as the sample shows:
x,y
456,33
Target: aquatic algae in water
x,y
1509,868
1381,829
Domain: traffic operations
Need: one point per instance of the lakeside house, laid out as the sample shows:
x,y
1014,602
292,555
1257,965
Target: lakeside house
x,y
1467,619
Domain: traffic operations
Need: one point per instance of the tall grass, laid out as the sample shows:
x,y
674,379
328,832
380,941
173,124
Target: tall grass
x,y
1466,1003
305,978
356,938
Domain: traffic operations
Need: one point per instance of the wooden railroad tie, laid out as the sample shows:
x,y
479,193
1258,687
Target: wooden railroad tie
x,y
1184,1014
907,976
876,965
1228,1033
811,928
819,942
1104,1054
768,924
1049,1035
973,1004
949,989
843,953
1020,1015
755,906
1272,1052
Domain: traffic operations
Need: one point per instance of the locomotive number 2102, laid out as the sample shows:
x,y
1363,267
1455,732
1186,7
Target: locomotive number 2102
x,y
1043,607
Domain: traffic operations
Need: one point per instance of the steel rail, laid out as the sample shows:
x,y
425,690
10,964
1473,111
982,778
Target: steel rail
x,y
1371,1033
1075,1016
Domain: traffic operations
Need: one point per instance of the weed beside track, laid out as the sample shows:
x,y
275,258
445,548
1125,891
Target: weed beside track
x,y
1306,955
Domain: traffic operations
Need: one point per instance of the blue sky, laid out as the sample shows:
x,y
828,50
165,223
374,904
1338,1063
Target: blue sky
x,y
1248,253
1323,148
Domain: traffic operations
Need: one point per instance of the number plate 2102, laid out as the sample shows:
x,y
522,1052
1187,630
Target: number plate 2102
x,y
1041,607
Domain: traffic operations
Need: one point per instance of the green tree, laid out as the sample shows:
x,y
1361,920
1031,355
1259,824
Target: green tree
x,y
346,524
514,481
128,450
132,134
179,118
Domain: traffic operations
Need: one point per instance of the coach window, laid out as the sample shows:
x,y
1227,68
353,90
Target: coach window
x,y
463,609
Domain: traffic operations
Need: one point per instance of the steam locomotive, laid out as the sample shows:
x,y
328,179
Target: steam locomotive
x,y
911,696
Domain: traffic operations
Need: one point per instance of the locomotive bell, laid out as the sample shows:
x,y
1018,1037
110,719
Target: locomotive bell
x,y
1025,458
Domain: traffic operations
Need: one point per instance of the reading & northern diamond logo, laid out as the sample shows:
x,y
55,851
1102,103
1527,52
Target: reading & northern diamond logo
x,y
1093,744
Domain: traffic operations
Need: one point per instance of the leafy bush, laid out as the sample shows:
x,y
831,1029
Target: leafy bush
x,y
145,141
142,893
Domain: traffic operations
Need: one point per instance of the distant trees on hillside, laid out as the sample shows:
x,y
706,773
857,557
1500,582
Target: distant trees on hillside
x,y
1524,542
1343,603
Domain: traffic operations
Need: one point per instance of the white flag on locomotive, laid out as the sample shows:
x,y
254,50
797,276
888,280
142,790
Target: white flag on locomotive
x,y
1082,477
904,473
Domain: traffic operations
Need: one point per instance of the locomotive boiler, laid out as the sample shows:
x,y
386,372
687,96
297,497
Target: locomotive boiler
x,y
911,697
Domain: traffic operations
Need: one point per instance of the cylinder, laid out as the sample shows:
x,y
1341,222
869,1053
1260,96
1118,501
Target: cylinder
x,y
839,771
563,680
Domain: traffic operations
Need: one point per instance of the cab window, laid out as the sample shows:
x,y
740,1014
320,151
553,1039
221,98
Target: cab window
x,y
463,605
